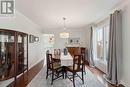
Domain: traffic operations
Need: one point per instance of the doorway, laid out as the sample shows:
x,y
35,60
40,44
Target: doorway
x,y
48,43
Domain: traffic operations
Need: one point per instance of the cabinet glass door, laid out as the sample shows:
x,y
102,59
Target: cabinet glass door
x,y
22,53
7,55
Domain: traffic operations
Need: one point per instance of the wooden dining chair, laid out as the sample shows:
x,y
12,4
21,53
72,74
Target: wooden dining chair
x,y
54,67
77,67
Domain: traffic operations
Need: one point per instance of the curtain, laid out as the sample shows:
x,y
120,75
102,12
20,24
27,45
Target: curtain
x,y
115,48
91,56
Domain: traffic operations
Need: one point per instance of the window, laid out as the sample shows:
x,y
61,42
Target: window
x,y
102,38
100,45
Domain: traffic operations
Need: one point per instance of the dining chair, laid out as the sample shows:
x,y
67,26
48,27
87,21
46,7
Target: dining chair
x,y
55,68
77,67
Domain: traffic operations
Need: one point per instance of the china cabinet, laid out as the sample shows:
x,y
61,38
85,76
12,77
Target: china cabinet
x,y
13,54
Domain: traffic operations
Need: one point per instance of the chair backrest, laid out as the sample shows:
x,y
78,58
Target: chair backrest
x,y
57,51
49,60
83,57
47,52
77,62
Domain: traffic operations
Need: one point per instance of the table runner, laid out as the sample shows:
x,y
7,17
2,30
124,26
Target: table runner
x,y
66,60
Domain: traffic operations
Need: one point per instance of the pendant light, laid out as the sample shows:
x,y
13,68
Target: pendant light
x,y
64,34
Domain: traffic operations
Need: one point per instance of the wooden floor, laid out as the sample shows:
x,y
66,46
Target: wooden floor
x,y
22,81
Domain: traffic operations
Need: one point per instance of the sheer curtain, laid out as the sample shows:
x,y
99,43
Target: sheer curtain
x,y
115,48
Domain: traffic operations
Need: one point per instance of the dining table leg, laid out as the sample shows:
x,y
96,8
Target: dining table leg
x,y
64,72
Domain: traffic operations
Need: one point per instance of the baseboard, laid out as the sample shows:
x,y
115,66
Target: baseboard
x,y
122,83
105,77
125,84
101,65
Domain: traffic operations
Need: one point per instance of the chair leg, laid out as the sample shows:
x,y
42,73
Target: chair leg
x,y
63,73
52,77
73,79
83,76
47,74
84,70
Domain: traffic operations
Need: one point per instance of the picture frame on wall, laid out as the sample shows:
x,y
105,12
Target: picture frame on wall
x,y
31,38
36,39
73,41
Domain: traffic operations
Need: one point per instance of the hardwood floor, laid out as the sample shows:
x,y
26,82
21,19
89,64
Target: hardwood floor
x,y
99,74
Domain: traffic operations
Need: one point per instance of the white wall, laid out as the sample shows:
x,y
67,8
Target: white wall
x,y
81,33
21,23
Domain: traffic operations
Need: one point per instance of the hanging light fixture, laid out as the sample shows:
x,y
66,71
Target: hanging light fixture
x,y
64,34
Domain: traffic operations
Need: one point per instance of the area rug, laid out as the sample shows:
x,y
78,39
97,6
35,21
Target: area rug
x,y
40,81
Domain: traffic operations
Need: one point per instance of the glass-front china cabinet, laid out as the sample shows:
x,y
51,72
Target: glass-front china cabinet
x,y
13,54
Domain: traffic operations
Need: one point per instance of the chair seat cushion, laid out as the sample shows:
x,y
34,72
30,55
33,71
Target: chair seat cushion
x,y
70,68
56,65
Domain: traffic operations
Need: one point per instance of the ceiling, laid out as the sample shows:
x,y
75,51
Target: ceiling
x,y
48,14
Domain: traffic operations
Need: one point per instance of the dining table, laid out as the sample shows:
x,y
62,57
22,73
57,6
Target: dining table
x,y
66,60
